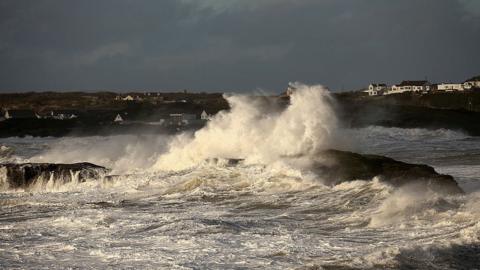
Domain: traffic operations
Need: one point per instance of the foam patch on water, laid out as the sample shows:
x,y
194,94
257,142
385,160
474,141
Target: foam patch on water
x,y
221,217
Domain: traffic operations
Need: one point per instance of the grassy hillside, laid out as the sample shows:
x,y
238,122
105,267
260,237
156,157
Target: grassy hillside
x,y
45,101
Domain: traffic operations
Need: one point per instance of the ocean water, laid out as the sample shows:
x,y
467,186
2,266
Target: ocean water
x,y
261,214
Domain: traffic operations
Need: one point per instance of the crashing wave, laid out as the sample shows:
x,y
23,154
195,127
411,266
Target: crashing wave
x,y
257,130
27,176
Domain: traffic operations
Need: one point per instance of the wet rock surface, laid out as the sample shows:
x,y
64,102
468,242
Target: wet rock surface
x,y
336,166
24,175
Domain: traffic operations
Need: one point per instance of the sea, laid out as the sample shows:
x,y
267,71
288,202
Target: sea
x,y
177,203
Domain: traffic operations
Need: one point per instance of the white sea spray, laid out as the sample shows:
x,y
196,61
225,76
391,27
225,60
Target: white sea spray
x,y
253,132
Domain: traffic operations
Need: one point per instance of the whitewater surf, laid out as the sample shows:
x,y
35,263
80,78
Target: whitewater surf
x,y
176,203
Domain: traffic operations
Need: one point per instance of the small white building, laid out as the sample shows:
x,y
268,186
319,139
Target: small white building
x,y
450,87
118,119
410,86
376,89
205,116
472,83
63,114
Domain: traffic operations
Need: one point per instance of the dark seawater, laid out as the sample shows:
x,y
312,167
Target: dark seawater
x,y
214,216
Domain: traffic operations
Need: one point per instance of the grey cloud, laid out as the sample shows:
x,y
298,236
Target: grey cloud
x,y
234,45
105,51
471,6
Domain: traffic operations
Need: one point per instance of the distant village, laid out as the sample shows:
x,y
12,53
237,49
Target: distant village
x,y
173,119
148,108
424,87
173,110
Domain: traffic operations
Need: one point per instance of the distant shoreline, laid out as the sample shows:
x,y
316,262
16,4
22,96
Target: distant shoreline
x,y
97,111
452,110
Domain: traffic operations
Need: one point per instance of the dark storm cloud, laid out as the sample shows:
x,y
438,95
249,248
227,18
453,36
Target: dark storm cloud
x,y
234,45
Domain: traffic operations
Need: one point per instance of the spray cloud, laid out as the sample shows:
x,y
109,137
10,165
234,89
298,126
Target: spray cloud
x,y
258,133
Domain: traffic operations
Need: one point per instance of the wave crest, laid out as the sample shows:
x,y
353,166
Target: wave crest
x,y
257,130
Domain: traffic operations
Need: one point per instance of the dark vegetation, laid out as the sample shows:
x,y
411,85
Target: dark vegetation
x,y
465,100
454,110
45,101
96,111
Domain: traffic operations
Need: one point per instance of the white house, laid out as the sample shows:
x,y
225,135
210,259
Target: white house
x,y
410,86
450,87
472,83
371,92
128,98
205,116
376,89
63,114
118,119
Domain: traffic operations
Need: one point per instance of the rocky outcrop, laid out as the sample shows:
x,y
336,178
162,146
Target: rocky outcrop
x,y
333,166
336,166
23,176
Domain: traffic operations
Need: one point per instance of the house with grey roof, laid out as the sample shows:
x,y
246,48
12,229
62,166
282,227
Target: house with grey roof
x,y
376,89
410,86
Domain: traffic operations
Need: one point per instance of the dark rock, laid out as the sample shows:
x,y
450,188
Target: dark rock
x,y
339,166
226,161
335,167
25,175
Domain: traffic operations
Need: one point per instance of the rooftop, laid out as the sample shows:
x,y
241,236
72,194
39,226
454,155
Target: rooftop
x,y
414,83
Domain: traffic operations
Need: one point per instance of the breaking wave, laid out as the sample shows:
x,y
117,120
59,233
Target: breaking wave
x,y
254,129
178,202
244,214
122,153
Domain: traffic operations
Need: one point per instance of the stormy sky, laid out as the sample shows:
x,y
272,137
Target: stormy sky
x,y
234,45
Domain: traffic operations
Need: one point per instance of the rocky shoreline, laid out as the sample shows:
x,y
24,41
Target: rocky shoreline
x,y
340,166
26,175
333,166
456,111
